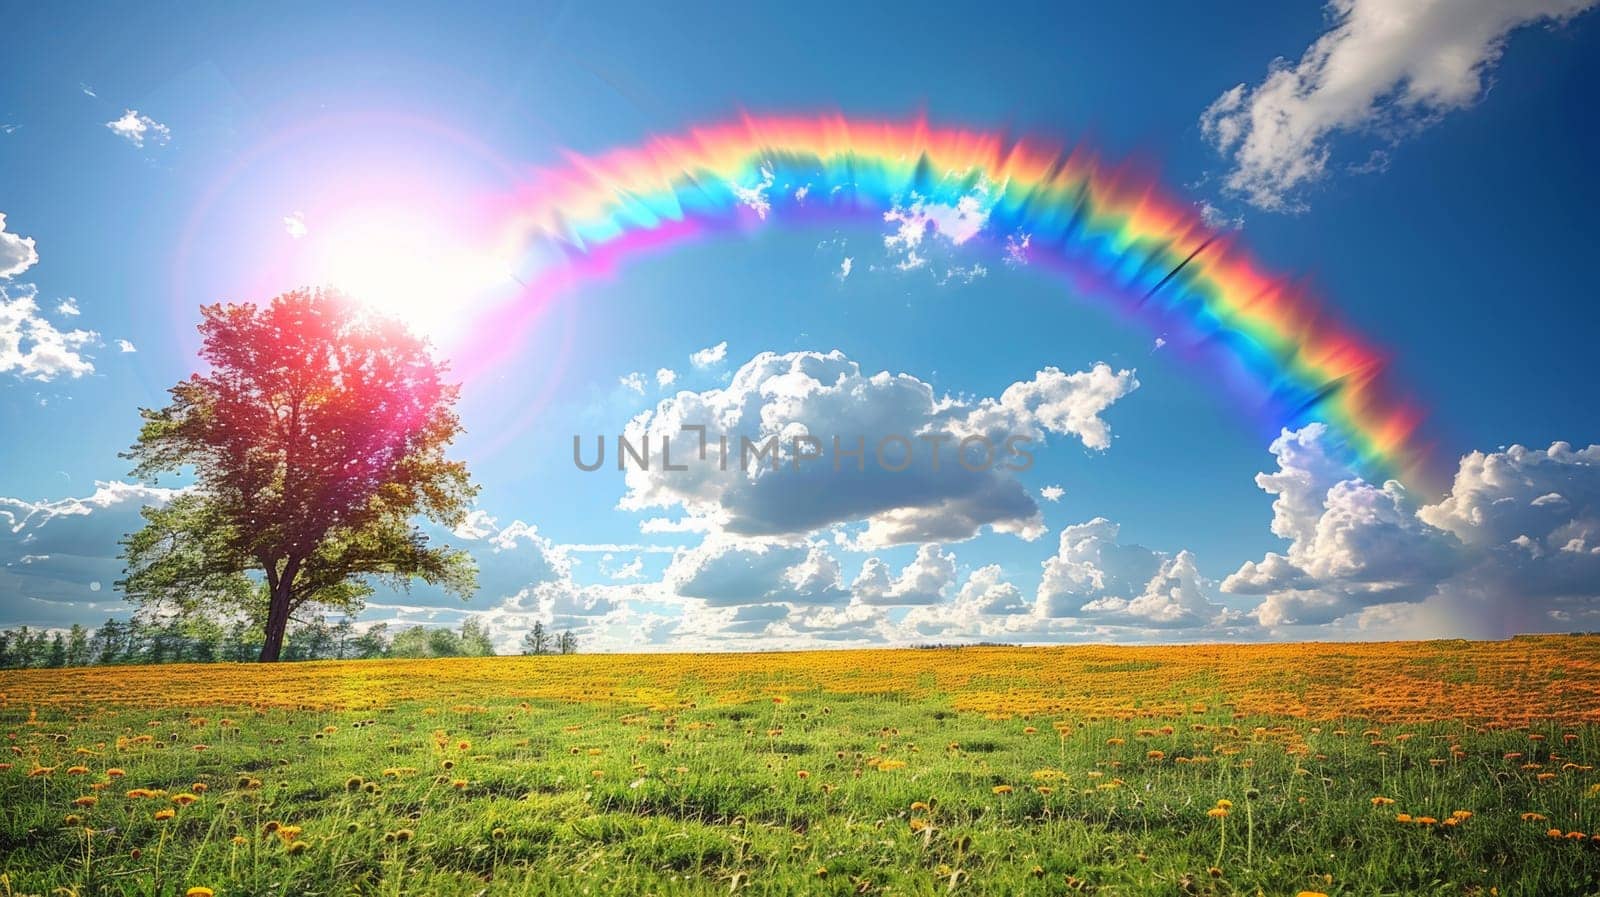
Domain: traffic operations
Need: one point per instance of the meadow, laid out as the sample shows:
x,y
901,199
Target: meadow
x,y
1448,768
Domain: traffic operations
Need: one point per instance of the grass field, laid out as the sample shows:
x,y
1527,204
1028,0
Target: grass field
x,y
1425,768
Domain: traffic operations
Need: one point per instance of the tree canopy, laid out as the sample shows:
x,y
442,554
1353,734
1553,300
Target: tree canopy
x,y
317,436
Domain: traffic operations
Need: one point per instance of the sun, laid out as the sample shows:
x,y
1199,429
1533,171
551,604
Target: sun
x,y
412,267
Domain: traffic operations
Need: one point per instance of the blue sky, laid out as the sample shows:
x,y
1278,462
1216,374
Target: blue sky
x,y
155,158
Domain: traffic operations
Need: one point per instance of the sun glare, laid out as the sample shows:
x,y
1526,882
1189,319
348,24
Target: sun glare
x,y
413,269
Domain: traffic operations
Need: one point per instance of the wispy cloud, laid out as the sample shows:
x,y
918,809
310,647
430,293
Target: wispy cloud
x,y
1382,68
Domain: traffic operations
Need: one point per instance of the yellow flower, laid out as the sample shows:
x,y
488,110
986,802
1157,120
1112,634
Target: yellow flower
x,y
1001,789
199,892
163,815
1217,813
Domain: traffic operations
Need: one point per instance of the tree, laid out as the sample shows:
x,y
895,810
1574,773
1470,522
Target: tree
x,y
567,643
316,435
443,643
106,645
372,643
77,646
476,640
58,652
537,641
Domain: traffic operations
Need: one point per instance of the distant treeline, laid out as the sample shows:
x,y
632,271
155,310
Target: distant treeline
x,y
140,641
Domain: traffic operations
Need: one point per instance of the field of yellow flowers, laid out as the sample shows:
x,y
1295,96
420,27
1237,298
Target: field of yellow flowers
x,y
1456,768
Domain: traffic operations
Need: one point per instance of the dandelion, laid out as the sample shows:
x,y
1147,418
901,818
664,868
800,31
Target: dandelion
x,y
199,891
164,815
1217,813
1001,789
77,770
183,800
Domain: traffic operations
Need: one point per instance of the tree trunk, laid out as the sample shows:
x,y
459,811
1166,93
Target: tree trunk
x,y
278,616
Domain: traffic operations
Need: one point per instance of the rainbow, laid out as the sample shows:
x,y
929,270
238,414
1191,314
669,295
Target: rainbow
x,y
1108,232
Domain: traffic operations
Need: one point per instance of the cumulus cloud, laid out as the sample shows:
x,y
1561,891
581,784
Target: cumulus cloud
x,y
17,253
1094,577
33,347
665,377
137,129
779,399
125,346
58,559
733,572
710,356
1513,547
295,225
923,581
633,382
1381,68
1052,493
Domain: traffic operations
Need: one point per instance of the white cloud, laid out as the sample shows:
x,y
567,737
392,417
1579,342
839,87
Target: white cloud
x,y
53,553
32,347
755,197
17,253
68,307
723,572
136,129
1218,219
953,224
1382,68
845,266
711,356
665,377
125,346
634,569
923,581
633,382
1094,577
295,225
1495,556
780,398
1052,493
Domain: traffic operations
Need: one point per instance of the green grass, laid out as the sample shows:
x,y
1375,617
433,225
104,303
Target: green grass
x,y
533,818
